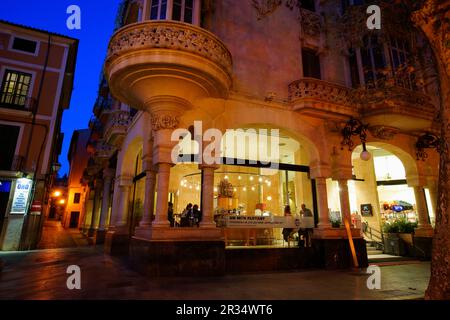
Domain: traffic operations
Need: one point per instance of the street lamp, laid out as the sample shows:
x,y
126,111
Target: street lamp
x,y
355,127
57,194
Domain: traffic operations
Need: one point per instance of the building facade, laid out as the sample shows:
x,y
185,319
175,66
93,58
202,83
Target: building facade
x,y
36,74
77,188
337,110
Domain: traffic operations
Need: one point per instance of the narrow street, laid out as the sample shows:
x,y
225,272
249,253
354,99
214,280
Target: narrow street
x,y
42,275
55,236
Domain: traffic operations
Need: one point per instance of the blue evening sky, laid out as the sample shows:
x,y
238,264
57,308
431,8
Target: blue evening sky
x,y
97,24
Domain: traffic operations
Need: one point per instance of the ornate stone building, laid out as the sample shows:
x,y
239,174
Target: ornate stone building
x,y
350,109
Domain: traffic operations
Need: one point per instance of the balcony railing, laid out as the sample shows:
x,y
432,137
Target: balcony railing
x,y
116,126
101,105
309,90
170,35
17,101
103,150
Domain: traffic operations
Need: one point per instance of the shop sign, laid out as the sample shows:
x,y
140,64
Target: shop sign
x,y
21,196
267,222
366,210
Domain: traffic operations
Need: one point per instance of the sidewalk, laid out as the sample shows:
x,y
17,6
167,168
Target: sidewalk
x,y
42,275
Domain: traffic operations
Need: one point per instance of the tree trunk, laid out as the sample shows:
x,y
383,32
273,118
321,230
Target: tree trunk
x,y
433,20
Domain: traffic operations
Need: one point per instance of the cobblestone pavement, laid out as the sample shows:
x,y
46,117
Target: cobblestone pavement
x,y
42,275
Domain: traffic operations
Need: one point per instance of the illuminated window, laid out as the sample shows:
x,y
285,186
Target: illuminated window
x,y
15,88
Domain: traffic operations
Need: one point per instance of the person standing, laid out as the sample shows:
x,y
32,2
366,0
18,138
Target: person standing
x,y
287,231
307,232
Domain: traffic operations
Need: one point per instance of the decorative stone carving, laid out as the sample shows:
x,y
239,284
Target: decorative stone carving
x,y
309,88
265,7
311,22
383,132
164,121
171,35
391,96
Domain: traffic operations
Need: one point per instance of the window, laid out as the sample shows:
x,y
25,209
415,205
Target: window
x,y
399,53
8,143
178,10
373,61
354,70
76,198
311,64
158,10
15,88
24,45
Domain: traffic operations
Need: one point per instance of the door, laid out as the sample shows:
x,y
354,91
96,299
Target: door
x,y
74,217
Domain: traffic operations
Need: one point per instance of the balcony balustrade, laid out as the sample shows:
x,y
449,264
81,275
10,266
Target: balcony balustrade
x,y
395,106
167,58
387,105
103,151
116,127
315,97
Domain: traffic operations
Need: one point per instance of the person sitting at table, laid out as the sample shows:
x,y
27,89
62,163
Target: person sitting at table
x,y
186,216
170,214
197,215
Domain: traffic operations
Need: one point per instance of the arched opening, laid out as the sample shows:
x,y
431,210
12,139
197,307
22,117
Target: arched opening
x,y
261,172
383,188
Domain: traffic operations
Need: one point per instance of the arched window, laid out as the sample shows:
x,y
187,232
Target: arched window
x,y
179,10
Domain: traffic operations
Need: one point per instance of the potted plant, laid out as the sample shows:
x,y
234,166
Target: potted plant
x,y
398,238
335,223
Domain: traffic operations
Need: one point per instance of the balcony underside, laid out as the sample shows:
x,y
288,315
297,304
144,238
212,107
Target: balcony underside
x,y
163,58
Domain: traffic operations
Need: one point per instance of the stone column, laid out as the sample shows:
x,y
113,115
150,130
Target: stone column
x,y
145,226
421,207
344,199
433,197
121,219
322,202
208,197
108,175
96,207
161,220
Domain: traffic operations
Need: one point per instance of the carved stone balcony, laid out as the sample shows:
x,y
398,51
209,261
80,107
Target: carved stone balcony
x,y
317,97
167,58
116,127
396,107
103,151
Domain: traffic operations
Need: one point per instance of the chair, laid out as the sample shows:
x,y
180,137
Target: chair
x,y
292,237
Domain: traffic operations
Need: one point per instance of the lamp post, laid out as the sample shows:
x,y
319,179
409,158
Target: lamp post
x,y
355,127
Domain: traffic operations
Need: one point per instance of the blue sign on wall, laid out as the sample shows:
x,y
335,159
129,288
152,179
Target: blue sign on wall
x,y
5,186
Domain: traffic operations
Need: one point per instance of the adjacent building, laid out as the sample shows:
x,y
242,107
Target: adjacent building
x,y
77,189
340,112
36,73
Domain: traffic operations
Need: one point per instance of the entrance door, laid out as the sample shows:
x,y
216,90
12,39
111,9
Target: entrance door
x,y
74,217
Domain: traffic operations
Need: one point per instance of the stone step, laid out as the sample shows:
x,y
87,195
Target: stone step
x,y
374,252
